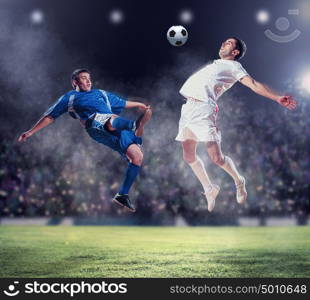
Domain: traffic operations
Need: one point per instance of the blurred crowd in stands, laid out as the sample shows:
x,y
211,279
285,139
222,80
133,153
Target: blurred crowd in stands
x,y
62,172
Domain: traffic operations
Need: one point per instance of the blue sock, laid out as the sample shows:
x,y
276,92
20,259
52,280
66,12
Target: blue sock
x,y
131,174
120,123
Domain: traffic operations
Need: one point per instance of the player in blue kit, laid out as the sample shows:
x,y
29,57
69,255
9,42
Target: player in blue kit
x,y
98,112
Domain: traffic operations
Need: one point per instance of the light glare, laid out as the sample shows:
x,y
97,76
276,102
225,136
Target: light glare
x,y
37,16
262,16
305,83
116,16
186,16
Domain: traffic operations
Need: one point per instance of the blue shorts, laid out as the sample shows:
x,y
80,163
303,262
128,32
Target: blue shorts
x,y
117,140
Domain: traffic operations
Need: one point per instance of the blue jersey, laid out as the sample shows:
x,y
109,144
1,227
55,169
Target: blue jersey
x,y
83,105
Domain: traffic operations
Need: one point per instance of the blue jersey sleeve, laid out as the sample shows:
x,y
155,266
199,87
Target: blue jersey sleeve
x,y
117,103
59,107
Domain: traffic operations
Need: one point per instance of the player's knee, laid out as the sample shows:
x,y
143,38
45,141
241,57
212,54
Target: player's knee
x,y
218,159
137,158
189,157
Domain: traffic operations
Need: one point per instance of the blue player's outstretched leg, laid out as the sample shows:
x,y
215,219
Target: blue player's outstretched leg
x,y
131,174
135,156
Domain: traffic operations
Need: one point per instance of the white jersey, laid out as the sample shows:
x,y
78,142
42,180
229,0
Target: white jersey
x,y
210,82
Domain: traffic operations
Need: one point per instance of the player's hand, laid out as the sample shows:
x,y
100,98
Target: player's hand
x,y
24,136
288,102
143,107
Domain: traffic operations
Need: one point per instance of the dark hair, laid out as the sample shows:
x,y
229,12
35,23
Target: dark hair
x,y
241,46
75,73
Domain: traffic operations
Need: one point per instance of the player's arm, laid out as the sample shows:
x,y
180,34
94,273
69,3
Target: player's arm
x,y
136,104
43,122
56,110
118,103
263,90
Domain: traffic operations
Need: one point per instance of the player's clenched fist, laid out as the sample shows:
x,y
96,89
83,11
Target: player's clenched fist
x,y
288,102
24,136
143,107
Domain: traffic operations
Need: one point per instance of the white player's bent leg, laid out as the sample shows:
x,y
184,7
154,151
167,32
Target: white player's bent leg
x,y
230,167
241,191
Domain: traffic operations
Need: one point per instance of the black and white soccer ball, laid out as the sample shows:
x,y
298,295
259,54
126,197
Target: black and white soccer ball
x,y
177,35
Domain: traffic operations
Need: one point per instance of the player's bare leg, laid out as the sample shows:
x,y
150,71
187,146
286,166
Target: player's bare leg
x,y
142,120
227,164
190,156
135,155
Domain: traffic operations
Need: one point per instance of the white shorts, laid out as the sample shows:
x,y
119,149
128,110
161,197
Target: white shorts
x,y
198,122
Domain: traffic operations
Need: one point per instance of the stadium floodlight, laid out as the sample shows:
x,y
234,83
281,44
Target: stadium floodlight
x,y
116,16
186,16
262,16
37,16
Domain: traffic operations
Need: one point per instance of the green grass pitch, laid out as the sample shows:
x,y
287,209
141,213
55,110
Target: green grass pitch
x,y
101,251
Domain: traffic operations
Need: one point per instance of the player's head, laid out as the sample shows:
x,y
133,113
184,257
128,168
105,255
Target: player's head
x,y
80,80
233,48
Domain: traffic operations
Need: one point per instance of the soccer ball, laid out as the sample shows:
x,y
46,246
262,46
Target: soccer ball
x,y
177,35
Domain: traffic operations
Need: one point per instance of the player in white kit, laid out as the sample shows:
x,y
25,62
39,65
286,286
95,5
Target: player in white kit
x,y
198,115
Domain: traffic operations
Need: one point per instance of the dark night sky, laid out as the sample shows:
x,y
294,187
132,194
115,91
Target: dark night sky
x,y
137,47
135,52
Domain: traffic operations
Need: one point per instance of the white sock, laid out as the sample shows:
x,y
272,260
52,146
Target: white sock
x,y
200,172
230,167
